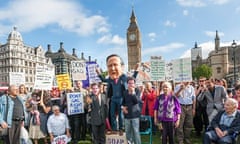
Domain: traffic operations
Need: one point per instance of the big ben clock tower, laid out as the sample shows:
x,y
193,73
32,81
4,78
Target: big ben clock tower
x,y
133,43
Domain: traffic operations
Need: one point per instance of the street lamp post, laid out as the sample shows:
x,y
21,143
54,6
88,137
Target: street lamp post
x,y
234,45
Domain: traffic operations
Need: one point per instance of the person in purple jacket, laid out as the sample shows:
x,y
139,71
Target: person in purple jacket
x,y
167,112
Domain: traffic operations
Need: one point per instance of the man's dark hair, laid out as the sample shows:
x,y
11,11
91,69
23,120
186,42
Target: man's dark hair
x,y
115,55
97,84
237,87
131,78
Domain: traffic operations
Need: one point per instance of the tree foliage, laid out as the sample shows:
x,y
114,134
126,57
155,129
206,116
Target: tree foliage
x,y
202,70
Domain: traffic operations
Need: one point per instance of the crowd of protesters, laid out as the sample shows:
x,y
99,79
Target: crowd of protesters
x,y
176,109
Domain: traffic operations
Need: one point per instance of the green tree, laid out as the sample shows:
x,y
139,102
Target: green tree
x,y
202,70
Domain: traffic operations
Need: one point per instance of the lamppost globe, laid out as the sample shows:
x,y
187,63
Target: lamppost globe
x,y
234,45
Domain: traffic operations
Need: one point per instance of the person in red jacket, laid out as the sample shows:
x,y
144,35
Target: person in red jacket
x,y
148,98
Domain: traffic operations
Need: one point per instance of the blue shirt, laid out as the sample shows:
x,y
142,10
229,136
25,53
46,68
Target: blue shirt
x,y
186,96
226,119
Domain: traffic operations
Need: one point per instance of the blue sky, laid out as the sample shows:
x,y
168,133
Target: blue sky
x,y
169,28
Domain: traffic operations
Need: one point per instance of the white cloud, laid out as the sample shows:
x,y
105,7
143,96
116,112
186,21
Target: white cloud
x,y
191,3
185,12
109,39
169,23
162,49
152,36
69,15
213,34
220,2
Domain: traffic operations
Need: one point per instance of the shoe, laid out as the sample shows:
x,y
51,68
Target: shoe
x,y
120,132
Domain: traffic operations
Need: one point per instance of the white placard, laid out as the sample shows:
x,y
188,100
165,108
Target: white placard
x,y
16,78
157,69
168,71
44,77
78,70
92,74
75,103
182,70
63,139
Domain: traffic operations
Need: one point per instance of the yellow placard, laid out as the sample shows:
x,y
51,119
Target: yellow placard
x,y
64,81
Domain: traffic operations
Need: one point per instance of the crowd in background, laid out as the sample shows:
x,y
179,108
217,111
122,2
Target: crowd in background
x,y
175,109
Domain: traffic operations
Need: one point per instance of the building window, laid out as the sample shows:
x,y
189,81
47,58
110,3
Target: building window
x,y
218,70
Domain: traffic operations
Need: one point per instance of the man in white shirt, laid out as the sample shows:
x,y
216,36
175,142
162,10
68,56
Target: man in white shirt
x,y
57,123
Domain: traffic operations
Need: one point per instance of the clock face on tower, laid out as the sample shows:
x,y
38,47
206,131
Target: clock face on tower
x,y
132,37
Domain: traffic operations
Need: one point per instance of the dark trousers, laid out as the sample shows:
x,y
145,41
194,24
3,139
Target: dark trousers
x,y
74,122
98,134
14,132
200,119
83,126
168,132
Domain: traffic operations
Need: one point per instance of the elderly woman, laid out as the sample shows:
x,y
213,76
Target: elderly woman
x,y
167,111
57,123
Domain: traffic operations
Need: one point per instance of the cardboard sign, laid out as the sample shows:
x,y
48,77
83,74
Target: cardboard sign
x,y
157,69
63,139
182,70
78,70
75,103
116,139
44,77
16,78
92,74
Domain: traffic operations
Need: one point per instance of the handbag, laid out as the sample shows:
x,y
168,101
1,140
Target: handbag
x,y
4,131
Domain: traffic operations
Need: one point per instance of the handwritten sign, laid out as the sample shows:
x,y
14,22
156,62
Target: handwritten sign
x,y
182,70
75,103
168,71
78,70
92,75
157,69
16,78
116,139
44,77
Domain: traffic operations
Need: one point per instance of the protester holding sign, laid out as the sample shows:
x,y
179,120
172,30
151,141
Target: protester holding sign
x,y
57,124
78,122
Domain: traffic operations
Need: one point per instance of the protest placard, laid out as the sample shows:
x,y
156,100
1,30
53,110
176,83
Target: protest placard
x,y
16,78
75,103
182,70
63,81
157,69
78,70
44,77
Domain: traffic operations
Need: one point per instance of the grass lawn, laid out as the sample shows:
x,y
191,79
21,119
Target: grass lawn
x,y
145,139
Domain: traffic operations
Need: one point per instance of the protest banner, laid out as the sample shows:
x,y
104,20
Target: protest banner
x,y
75,103
78,70
44,77
63,81
182,70
16,78
157,69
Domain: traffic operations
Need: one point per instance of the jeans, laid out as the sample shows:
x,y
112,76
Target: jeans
x,y
132,130
116,107
212,136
